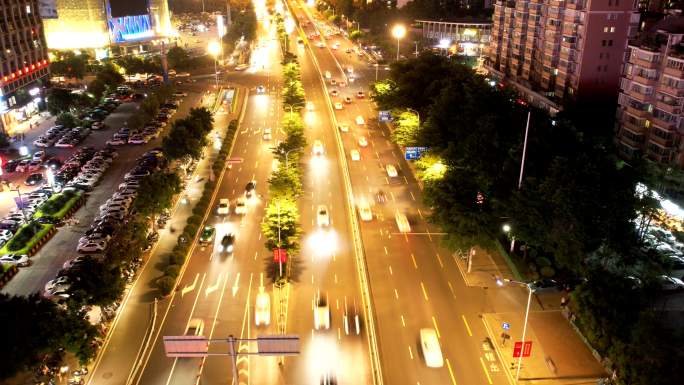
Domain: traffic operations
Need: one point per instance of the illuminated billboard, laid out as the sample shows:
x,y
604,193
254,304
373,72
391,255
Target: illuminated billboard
x,y
121,8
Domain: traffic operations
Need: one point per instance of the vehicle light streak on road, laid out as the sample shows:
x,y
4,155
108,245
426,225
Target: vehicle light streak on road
x,y
323,243
319,167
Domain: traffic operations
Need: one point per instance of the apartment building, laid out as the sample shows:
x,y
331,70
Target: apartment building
x,y
553,50
23,61
650,119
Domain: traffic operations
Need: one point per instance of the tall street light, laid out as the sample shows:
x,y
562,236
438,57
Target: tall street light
x,y
214,49
398,31
530,289
287,154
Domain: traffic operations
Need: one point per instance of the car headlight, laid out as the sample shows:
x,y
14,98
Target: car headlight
x,y
229,248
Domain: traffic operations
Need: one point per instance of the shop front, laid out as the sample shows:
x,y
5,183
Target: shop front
x,y
18,109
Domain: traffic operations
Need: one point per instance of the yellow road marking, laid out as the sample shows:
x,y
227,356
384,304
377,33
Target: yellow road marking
x,y
434,322
410,352
413,258
470,333
451,372
440,261
424,292
484,367
403,323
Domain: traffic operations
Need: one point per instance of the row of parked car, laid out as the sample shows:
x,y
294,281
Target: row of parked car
x,y
150,131
118,207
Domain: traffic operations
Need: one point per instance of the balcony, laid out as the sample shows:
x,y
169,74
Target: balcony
x,y
670,108
632,140
676,92
666,143
640,97
641,114
646,64
677,73
667,126
644,81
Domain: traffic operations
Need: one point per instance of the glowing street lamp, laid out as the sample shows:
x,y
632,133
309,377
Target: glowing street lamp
x,y
398,31
530,290
214,49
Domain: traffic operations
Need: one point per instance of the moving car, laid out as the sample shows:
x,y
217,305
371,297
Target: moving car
x,y
309,106
240,206
195,327
402,222
344,127
250,188
267,134
338,106
322,216
355,154
228,243
318,147
360,95
429,344
359,120
262,308
223,207
348,100
365,211
208,234
261,89
391,171
334,92
363,142
321,312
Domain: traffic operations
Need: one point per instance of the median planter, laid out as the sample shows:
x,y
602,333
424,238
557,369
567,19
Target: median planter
x,y
6,273
29,239
61,206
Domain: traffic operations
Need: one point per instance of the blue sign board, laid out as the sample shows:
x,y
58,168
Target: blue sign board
x,y
506,326
413,153
384,116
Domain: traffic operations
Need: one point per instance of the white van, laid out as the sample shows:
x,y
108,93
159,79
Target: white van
x,y
431,350
328,75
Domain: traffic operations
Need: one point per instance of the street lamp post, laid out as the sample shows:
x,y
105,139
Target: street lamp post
x,y
530,290
415,112
507,229
288,153
214,49
280,257
398,31
21,204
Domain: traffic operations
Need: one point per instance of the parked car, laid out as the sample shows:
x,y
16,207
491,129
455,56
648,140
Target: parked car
x,y
34,179
15,259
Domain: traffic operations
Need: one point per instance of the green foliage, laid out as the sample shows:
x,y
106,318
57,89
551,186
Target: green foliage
x,y
165,284
109,76
37,326
282,213
128,241
67,119
58,205
187,136
244,24
60,100
178,58
97,88
156,193
136,65
285,182
25,238
406,129
150,106
356,35
95,282
69,65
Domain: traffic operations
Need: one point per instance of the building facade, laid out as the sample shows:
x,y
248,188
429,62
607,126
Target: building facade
x,y
97,24
23,62
650,118
552,50
463,38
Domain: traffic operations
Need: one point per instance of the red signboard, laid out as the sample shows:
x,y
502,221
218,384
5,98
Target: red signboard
x,y
279,255
525,349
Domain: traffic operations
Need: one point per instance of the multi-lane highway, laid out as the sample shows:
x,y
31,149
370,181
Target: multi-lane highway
x,y
415,283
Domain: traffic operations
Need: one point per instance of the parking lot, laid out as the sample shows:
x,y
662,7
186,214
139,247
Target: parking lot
x,y
62,247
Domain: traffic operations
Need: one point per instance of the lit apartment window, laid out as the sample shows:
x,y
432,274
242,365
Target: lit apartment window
x,y
605,29
612,29
28,9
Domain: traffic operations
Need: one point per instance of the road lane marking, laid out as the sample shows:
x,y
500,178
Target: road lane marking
x,y
434,322
413,258
256,164
396,294
484,367
410,352
256,252
422,286
385,247
440,261
189,288
406,180
451,288
212,288
335,277
403,323
470,333
421,214
393,198
412,196
451,372
390,270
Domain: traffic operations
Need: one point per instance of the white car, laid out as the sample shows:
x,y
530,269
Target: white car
x,y
15,259
322,216
241,206
41,143
92,247
262,308
670,283
321,312
333,82
320,44
70,263
334,92
339,106
115,142
318,147
223,207
96,237
365,211
391,171
359,120
363,142
137,139
429,344
309,106
355,154
344,127
267,134
38,155
402,222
